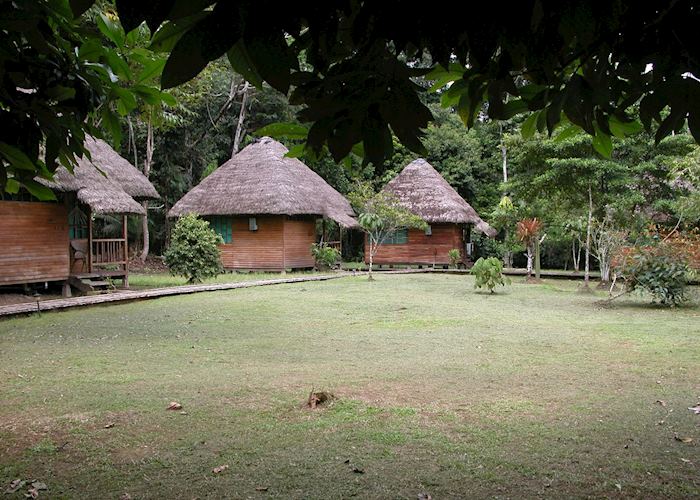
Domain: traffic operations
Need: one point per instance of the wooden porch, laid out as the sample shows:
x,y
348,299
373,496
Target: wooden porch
x,y
100,258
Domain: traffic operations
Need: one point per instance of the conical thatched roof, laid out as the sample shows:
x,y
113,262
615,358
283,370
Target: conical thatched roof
x,y
260,179
106,182
421,189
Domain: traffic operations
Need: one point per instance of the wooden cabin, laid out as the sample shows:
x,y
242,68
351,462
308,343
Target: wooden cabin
x,y
62,241
265,207
422,190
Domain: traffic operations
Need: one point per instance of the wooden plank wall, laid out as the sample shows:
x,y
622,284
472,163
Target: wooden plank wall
x,y
261,249
35,245
422,249
278,243
299,235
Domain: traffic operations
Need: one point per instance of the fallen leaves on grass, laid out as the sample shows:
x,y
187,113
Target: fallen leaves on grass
x,y
125,496
261,488
354,468
15,485
424,496
220,469
174,405
661,402
682,439
34,487
695,409
109,425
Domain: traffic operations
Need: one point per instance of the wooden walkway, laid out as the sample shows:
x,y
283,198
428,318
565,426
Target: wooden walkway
x,y
128,295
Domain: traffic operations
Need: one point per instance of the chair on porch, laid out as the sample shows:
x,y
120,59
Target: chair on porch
x,y
79,253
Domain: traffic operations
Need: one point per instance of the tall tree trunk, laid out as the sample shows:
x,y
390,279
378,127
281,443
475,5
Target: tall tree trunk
x,y
504,156
587,275
241,117
529,260
146,171
507,255
576,254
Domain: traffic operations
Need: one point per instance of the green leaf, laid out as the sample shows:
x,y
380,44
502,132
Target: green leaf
x,y
282,129
127,101
448,101
169,33
602,143
39,191
514,107
271,57
111,123
149,95
12,186
111,30
206,41
296,151
91,50
61,93
17,158
568,132
168,99
150,70
527,129
623,129
241,63
119,66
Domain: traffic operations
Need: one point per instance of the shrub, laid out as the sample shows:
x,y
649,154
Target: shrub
x,y
488,273
658,270
326,257
455,256
194,251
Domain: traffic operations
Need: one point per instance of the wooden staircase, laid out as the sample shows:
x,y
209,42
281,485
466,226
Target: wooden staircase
x,y
90,283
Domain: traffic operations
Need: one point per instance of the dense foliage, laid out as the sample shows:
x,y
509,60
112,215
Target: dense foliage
x,y
380,215
63,78
455,256
658,270
193,251
488,272
326,256
349,64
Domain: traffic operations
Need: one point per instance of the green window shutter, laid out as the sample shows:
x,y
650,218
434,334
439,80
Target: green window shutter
x,y
223,226
399,237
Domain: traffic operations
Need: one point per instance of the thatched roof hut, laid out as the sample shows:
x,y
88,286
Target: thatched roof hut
x,y
260,179
421,189
106,182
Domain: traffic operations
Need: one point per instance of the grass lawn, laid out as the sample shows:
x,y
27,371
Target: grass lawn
x,y
536,391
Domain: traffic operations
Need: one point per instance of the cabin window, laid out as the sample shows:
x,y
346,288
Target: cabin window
x,y
223,226
252,224
77,225
398,237
429,231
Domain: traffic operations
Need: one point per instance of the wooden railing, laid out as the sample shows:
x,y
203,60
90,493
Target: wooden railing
x,y
334,244
110,251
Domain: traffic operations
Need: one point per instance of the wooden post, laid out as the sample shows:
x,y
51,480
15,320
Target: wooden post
x,y
89,245
125,235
